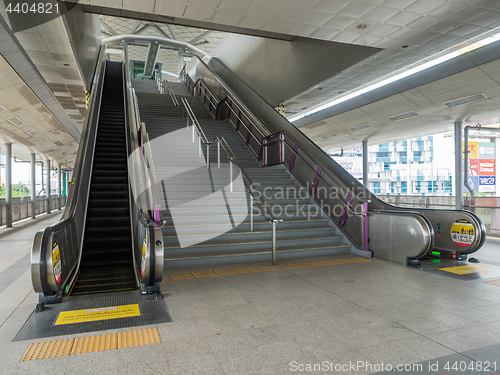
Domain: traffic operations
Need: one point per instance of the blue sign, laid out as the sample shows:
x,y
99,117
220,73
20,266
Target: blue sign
x,y
487,180
473,183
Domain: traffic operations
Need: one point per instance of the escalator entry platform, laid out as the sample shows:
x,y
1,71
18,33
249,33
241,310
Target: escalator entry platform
x,y
95,312
460,269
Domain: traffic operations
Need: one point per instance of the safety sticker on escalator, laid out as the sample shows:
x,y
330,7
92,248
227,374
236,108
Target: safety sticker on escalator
x,y
56,262
462,233
143,260
101,313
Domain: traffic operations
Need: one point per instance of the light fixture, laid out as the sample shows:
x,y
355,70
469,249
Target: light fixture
x,y
16,121
361,26
384,82
405,46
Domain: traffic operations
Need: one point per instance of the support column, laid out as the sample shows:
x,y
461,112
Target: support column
x,y
33,186
180,61
8,184
365,163
59,195
47,189
459,183
409,158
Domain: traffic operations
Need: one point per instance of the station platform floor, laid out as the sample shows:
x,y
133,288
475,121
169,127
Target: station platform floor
x,y
338,319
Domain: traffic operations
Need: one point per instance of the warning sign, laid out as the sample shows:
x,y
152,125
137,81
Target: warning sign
x,y
462,233
102,313
463,270
56,262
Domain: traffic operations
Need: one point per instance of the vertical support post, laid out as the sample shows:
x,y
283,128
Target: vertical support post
x,y
365,163
49,200
218,153
33,186
365,226
59,205
231,175
180,61
409,158
8,184
274,242
208,156
251,212
199,146
459,199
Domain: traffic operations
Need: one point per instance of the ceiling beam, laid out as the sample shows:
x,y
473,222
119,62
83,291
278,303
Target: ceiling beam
x,y
174,35
162,32
113,32
142,29
153,49
200,37
136,27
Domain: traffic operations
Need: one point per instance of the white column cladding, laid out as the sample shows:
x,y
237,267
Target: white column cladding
x,y
8,184
59,192
365,163
459,177
47,188
33,186
180,61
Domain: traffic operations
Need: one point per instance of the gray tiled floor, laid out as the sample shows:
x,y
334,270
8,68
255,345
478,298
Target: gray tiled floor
x,y
258,323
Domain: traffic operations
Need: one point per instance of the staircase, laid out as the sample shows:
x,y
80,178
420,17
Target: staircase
x,y
106,263
299,235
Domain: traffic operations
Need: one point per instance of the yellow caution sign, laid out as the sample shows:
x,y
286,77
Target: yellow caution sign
x,y
101,313
463,270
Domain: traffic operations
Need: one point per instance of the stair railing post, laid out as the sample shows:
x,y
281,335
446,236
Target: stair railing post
x,y
274,242
231,175
208,155
251,212
218,153
199,144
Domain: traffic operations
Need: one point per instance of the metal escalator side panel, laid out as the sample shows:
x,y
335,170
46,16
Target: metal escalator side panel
x,y
457,231
397,235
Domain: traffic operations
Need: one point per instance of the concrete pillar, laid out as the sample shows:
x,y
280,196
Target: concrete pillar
x,y
459,177
47,188
59,195
180,60
8,184
365,163
33,186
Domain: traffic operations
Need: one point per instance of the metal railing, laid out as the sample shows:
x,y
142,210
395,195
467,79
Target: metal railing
x,y
159,85
21,207
202,138
254,128
254,197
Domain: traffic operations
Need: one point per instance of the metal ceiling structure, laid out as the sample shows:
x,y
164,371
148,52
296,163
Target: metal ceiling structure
x,y
408,31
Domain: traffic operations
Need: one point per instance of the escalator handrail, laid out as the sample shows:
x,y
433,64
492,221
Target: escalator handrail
x,y
42,273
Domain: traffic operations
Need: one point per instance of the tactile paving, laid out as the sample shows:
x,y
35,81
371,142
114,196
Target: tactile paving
x,y
493,282
95,343
50,349
236,271
138,338
80,345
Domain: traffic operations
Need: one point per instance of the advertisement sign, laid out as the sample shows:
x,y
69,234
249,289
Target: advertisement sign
x,y
487,183
473,167
486,167
473,183
486,150
473,149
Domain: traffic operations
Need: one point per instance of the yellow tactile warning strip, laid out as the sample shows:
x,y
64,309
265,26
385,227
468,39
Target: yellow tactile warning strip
x,y
238,271
493,282
50,349
80,345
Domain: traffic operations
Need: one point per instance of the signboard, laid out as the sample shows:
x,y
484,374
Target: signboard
x,y
482,167
351,161
68,170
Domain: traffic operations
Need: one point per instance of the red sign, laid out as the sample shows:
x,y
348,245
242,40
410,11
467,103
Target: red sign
x,y
486,167
473,167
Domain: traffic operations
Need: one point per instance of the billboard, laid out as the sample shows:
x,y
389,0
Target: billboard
x,y
482,167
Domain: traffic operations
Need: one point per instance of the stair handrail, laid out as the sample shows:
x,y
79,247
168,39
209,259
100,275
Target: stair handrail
x,y
196,126
263,207
159,86
171,93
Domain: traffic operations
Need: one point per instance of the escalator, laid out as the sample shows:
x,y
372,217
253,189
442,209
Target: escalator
x,y
374,228
109,237
106,263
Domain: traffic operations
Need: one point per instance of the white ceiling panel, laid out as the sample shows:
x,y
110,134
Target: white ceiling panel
x,y
330,6
315,18
198,13
227,17
341,22
289,13
398,4
380,14
263,9
169,8
253,22
356,9
144,6
403,18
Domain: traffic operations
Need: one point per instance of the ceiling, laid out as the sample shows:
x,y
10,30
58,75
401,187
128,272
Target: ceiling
x,y
426,101
205,40
39,132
